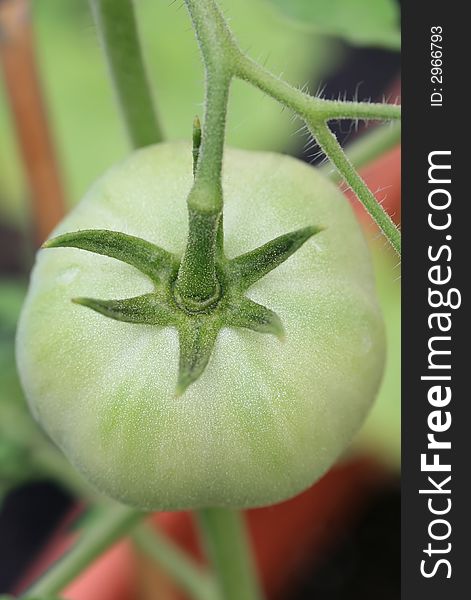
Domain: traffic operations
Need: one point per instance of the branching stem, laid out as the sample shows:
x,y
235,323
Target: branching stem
x,y
329,144
367,147
310,108
223,60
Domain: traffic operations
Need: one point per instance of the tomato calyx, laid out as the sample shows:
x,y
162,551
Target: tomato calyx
x,y
197,326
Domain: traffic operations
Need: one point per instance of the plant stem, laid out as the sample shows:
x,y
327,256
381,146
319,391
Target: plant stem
x,y
197,285
117,28
216,42
316,112
95,538
176,563
329,144
310,107
225,538
368,146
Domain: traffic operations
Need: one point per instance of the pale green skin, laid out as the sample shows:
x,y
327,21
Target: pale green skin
x,y
267,418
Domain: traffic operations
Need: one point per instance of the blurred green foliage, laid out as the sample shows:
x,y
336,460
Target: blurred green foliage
x,y
16,425
362,22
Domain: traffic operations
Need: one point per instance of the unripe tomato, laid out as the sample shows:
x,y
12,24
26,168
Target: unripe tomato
x,y
267,417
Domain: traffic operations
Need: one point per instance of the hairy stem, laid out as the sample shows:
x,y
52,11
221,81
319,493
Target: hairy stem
x,y
329,144
225,538
316,112
117,28
306,106
96,537
367,147
191,578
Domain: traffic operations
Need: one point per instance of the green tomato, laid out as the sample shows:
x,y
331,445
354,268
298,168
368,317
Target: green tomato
x,y
266,418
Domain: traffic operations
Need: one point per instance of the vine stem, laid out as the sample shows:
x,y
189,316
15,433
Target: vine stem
x,y
306,106
316,112
96,537
331,147
225,538
367,147
220,49
117,29
192,579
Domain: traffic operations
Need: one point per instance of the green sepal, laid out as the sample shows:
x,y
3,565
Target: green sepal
x,y
148,258
252,266
197,332
247,313
147,309
197,337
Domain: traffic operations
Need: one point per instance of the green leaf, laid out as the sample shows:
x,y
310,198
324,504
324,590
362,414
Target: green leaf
x,y
361,22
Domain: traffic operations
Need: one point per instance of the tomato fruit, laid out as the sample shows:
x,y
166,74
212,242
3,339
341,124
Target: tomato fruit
x,y
266,417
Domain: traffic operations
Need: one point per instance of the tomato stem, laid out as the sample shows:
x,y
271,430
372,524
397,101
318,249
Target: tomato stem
x,y
226,542
316,112
96,537
329,144
197,283
117,28
167,555
306,106
367,147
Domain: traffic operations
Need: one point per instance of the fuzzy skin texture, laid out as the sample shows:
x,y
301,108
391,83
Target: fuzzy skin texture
x,y
267,418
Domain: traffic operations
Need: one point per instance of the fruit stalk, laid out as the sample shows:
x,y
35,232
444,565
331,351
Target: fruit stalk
x,y
225,538
197,285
